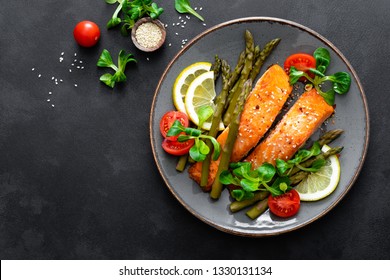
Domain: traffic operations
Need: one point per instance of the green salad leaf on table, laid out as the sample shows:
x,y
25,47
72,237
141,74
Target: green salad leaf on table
x,y
184,7
105,60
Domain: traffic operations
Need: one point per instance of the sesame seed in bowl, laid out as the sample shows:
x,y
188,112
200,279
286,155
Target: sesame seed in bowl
x,y
148,35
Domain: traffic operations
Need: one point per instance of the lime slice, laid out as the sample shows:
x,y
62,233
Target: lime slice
x,y
201,92
184,80
322,183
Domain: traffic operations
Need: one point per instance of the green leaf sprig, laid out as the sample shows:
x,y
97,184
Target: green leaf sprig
x,y
105,60
200,150
184,7
131,11
341,81
284,167
263,178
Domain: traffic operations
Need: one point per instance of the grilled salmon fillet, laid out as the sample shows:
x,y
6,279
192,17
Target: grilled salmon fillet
x,y
293,130
260,110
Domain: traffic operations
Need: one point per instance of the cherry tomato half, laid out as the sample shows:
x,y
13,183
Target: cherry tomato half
x,y
302,62
285,205
168,119
86,33
177,148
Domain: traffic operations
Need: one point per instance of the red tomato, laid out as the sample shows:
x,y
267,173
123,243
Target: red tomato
x,y
301,61
285,205
177,148
168,119
86,33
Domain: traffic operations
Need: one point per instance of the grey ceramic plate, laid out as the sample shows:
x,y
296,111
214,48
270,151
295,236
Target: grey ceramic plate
x,y
227,41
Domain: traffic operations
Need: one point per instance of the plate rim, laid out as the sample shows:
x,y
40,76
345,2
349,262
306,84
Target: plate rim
x,y
271,20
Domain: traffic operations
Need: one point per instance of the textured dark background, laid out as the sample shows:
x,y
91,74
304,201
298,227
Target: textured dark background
x,y
78,180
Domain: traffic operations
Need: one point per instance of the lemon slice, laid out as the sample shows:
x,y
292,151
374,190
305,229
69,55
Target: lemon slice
x,y
322,183
184,80
201,92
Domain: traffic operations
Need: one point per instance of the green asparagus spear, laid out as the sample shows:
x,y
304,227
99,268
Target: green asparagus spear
x,y
234,77
236,91
236,206
258,209
262,57
234,85
216,188
217,116
237,70
298,177
309,162
216,67
329,136
256,53
181,163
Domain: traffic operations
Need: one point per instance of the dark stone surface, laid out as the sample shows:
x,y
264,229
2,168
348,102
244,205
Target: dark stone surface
x,y
78,180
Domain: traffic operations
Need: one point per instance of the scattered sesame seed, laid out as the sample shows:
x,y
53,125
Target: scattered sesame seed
x,y
204,24
48,100
52,105
176,33
78,67
195,8
75,54
62,53
182,26
50,93
75,85
39,75
75,60
169,44
52,78
178,23
70,70
61,80
173,24
147,58
72,64
32,69
179,17
80,61
82,67
201,8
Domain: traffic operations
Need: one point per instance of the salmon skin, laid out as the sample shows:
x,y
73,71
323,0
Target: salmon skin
x,y
263,104
293,130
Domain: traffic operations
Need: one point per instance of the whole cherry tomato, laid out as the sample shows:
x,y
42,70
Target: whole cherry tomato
x,y
86,33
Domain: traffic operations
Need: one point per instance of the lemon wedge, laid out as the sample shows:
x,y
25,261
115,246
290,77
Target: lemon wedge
x,y
184,80
322,183
201,92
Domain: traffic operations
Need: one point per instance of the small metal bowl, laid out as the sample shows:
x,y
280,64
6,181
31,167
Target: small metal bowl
x,y
145,20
